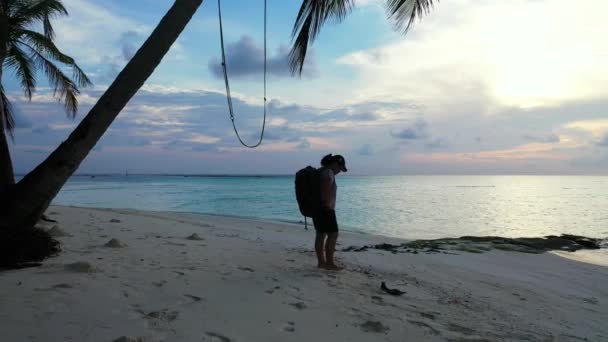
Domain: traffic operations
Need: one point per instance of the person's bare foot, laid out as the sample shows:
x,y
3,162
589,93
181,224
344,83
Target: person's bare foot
x,y
333,267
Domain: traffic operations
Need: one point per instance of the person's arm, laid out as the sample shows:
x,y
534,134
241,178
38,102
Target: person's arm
x,y
327,181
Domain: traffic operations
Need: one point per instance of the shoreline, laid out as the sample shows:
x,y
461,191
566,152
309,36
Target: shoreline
x,y
603,241
167,276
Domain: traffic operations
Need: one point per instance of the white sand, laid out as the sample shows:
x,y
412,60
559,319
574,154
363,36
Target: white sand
x,y
257,281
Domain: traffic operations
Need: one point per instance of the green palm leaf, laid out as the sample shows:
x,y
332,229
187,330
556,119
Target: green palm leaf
x,y
34,11
19,61
314,14
46,47
8,120
63,87
29,51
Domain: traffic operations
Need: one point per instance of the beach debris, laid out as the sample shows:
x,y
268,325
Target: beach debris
x,y
392,292
480,244
217,337
55,231
114,220
47,219
131,339
195,237
80,267
193,297
374,326
114,243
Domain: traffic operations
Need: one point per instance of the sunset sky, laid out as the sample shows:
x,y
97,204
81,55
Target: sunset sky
x,y
476,87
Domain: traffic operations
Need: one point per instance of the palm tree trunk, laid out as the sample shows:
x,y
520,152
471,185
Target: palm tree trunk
x,y
33,194
7,178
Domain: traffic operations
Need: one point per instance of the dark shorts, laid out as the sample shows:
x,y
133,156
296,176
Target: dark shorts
x,y
325,221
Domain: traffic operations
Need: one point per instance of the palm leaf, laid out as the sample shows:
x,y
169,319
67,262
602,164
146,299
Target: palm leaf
x,y
23,66
46,47
8,118
64,88
314,14
311,17
38,10
405,12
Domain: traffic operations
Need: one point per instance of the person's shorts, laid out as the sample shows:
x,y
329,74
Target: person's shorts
x,y
325,221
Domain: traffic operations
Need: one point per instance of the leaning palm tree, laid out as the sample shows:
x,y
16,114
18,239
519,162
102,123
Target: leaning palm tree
x,y
24,202
24,51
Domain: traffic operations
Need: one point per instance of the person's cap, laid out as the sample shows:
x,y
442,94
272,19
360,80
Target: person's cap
x,y
340,160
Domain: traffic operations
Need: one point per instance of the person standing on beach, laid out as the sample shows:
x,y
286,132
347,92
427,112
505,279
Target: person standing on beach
x,y
325,221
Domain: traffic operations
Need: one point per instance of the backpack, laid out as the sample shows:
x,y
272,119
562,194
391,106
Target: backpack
x,y
308,191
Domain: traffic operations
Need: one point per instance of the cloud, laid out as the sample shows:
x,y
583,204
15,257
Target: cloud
x,y
472,51
304,145
91,32
546,138
603,142
137,141
436,143
365,150
244,58
416,131
129,43
36,151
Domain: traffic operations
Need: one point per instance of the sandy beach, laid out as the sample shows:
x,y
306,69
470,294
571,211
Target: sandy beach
x,y
127,275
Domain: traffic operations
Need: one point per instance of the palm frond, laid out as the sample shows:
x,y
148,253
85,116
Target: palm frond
x,y
405,12
8,115
64,88
312,16
23,66
38,10
46,47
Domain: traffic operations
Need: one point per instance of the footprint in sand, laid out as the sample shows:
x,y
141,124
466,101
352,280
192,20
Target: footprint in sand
x,y
215,337
115,220
289,327
80,267
246,269
271,291
163,315
298,305
54,287
426,326
374,327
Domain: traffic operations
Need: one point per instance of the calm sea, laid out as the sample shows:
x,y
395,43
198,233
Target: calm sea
x,y
400,206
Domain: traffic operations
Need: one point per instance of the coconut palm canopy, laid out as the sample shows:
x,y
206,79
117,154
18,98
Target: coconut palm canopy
x,y
24,51
315,13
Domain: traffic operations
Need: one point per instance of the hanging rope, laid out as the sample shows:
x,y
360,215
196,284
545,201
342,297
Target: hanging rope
x,y
225,70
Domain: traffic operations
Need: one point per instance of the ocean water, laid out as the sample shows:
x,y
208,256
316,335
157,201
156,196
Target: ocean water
x,y
399,206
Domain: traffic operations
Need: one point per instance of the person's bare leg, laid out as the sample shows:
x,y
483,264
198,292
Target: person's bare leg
x,y
330,248
320,249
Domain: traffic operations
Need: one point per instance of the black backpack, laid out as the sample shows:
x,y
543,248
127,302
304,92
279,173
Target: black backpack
x,y
308,192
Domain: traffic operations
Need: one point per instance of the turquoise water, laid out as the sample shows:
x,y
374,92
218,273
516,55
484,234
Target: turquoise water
x,y
400,206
